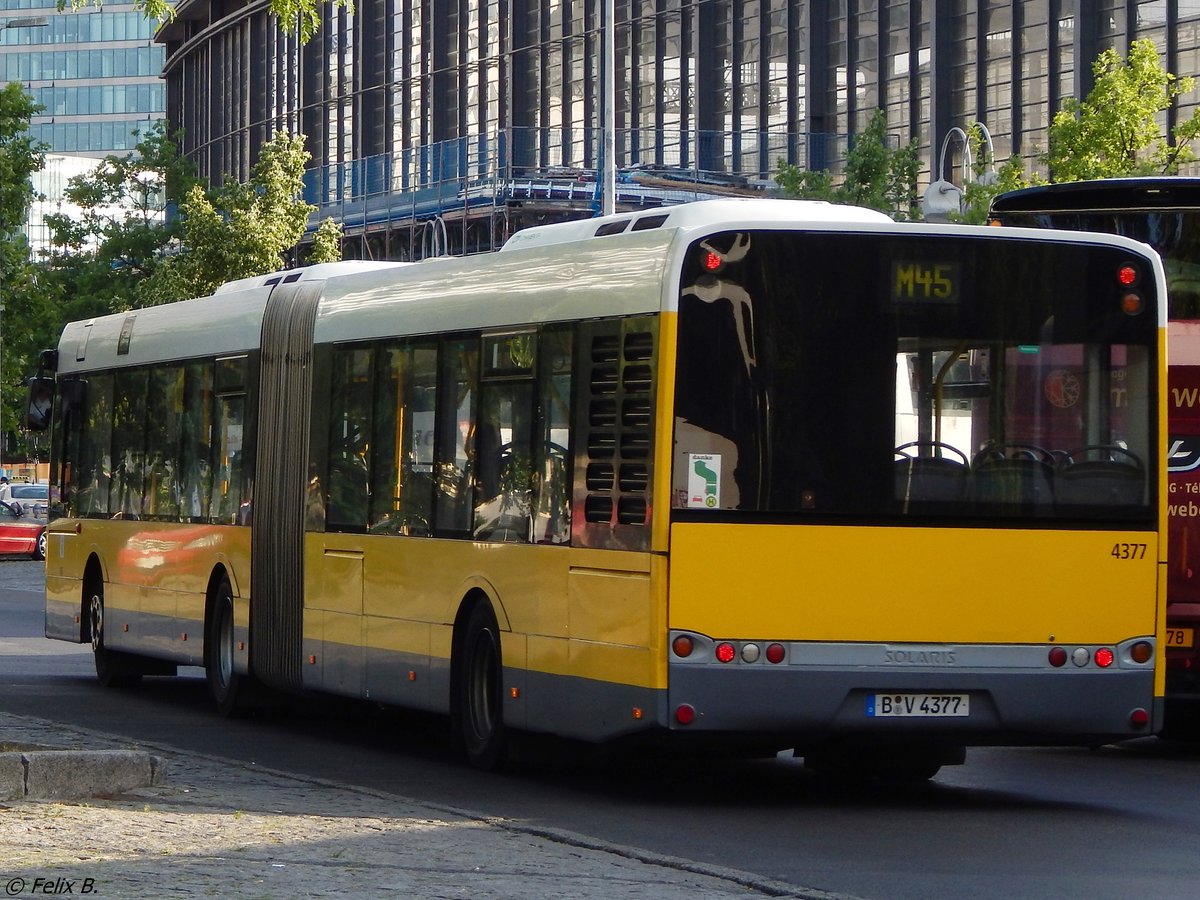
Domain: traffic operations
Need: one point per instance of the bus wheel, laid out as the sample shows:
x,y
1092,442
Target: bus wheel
x,y
113,668
478,710
223,683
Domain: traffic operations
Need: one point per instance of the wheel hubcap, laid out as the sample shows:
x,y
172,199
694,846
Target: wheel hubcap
x,y
96,616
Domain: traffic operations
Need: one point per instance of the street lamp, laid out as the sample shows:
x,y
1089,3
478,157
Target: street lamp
x,y
943,197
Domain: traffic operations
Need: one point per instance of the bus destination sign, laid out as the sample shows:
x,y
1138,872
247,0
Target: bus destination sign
x,y
924,282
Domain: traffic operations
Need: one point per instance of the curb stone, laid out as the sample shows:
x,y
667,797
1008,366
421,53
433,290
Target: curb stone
x,y
76,774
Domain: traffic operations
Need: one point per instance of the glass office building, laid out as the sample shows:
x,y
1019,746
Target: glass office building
x,y
96,72
446,124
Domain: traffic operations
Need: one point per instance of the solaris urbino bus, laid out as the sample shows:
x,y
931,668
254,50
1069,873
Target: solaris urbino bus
x,y
1164,212
759,474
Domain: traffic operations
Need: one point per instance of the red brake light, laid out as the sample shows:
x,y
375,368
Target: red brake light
x,y
1127,275
712,261
1104,657
1058,657
775,653
725,652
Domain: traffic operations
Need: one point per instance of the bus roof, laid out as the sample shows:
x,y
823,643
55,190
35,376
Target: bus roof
x,y
702,214
587,268
1150,192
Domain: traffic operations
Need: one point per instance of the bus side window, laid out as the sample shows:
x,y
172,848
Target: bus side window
x,y
552,467
228,465
195,448
504,470
349,440
129,444
92,416
458,390
164,404
405,412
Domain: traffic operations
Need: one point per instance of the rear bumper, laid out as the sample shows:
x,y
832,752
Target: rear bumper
x,y
823,691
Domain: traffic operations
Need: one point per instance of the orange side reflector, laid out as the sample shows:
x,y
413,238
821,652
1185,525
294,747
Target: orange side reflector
x,y
515,692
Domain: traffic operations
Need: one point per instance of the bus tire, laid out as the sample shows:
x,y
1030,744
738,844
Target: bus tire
x,y
478,707
113,668
224,684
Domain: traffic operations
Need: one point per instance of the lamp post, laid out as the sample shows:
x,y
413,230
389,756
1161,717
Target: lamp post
x,y
943,198
607,176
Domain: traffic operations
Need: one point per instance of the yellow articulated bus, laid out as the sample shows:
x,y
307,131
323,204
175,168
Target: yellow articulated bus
x,y
758,474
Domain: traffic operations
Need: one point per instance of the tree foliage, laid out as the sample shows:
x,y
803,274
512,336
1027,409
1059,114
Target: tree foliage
x,y
303,16
327,242
1115,130
875,176
119,228
236,230
22,309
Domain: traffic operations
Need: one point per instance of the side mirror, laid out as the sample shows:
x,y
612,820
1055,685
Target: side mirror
x,y
40,402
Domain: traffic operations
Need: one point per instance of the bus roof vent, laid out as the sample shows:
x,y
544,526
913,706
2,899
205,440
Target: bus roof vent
x,y
647,222
612,228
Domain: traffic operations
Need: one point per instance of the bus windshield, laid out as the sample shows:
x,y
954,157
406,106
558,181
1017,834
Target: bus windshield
x,y
914,378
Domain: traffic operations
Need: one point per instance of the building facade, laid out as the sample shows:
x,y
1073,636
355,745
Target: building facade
x,y
95,72
446,124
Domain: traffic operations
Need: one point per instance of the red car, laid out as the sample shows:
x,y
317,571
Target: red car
x,y
21,532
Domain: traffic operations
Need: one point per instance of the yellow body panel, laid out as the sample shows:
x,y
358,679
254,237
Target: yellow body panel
x,y
845,583
159,568
589,613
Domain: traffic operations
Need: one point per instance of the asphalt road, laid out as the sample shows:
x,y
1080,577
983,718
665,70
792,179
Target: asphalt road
x,y
1117,822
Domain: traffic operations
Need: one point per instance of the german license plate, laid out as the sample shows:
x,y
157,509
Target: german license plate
x,y
918,705
1180,637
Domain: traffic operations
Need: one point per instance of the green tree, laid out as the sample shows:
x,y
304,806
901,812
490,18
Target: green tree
x,y
303,16
1115,131
118,235
327,242
236,230
875,175
22,310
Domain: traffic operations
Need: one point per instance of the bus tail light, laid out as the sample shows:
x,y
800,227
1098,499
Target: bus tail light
x,y
1058,657
1139,718
685,714
683,646
775,653
1141,652
1104,657
725,652
1132,303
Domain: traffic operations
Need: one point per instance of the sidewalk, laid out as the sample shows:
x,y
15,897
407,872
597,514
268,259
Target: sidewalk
x,y
219,828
